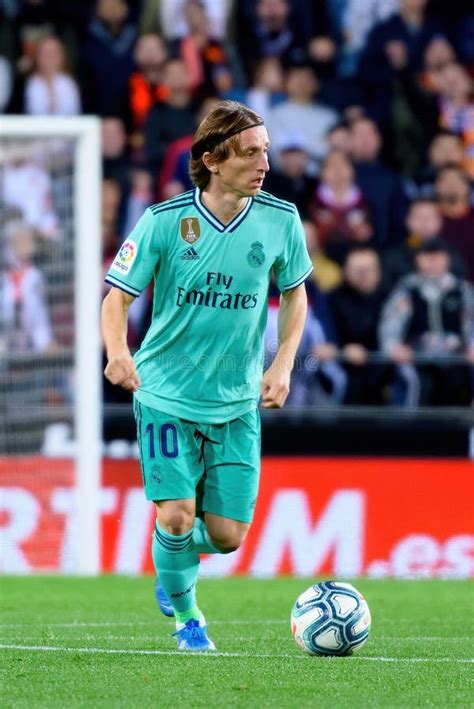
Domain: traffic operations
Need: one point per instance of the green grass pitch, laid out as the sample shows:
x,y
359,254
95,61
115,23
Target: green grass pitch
x,y
103,643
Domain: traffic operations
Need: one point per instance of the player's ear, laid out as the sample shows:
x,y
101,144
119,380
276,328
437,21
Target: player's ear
x,y
209,161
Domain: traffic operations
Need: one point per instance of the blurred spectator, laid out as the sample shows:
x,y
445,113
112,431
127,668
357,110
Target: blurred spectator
x,y
140,197
407,32
107,59
423,222
25,320
445,150
290,180
316,378
450,106
28,188
174,175
457,18
453,192
338,208
356,305
407,136
205,57
431,314
51,91
115,163
327,274
111,202
111,199
272,28
437,55
311,119
339,138
172,118
351,22
145,87
168,17
266,89
381,187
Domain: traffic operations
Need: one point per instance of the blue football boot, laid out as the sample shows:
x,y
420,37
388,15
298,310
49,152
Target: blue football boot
x,y
163,601
192,635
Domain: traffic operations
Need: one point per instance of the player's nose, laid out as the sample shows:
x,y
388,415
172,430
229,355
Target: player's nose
x,y
263,162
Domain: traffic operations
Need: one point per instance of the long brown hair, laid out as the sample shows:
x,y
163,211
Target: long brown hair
x,y
229,118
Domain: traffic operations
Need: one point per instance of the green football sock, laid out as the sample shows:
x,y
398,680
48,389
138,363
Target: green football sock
x,y
177,564
202,541
193,613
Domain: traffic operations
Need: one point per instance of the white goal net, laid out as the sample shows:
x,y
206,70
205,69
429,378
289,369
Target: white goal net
x,y
50,414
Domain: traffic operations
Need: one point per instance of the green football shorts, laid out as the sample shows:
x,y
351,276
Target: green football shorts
x,y
219,464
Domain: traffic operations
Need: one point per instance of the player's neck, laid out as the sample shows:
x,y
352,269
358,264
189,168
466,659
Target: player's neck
x,y
222,204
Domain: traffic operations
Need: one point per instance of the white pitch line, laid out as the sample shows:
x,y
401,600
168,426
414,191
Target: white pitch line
x,y
122,651
221,621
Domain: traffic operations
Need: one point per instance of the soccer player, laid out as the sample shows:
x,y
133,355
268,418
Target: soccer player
x,y
197,377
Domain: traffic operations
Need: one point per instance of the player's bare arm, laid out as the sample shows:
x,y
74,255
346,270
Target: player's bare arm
x,y
120,367
291,319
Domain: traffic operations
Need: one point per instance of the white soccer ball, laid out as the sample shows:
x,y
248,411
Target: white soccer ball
x,y
330,618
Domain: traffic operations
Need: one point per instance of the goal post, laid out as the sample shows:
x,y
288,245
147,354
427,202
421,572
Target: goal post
x,y
75,145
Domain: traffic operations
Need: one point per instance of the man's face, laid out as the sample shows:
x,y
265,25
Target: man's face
x,y
113,137
301,84
446,150
362,271
365,141
150,51
454,82
424,220
451,187
273,13
111,11
175,76
413,5
243,173
337,170
294,162
432,264
339,139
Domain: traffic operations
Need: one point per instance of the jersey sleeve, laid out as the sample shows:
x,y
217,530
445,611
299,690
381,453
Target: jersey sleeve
x,y
293,265
135,263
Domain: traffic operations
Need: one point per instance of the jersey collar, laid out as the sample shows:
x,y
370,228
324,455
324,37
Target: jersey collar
x,y
214,221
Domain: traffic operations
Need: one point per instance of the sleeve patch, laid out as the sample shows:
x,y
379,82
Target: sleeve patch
x,y
125,257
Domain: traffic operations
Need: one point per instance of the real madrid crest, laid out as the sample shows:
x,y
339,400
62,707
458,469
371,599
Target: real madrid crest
x,y
190,229
255,256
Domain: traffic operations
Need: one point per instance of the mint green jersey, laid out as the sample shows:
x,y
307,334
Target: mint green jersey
x,y
202,357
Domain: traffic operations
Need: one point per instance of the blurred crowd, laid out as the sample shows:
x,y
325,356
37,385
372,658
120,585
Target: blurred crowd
x,y
370,109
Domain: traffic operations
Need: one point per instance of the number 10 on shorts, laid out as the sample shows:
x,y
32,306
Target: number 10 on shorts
x,y
167,438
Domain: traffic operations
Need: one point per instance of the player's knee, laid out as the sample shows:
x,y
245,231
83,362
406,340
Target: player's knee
x,y
229,542
176,521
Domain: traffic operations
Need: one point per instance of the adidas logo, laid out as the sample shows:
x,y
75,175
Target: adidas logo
x,y
190,255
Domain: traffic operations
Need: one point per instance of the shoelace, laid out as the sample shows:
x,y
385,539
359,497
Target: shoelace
x,y
195,631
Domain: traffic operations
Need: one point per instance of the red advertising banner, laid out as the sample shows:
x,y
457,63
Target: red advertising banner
x,y
343,517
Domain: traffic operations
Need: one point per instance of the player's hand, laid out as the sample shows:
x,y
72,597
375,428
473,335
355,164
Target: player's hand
x,y
402,354
121,370
355,354
275,387
325,351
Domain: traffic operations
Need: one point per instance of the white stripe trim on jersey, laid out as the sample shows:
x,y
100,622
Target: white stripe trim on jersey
x,y
120,284
299,281
213,220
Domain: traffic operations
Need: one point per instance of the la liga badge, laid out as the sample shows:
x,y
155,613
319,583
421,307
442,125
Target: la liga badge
x,y
125,257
